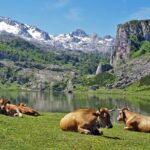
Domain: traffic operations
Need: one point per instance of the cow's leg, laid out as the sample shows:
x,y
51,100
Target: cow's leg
x,y
82,130
100,131
128,128
97,131
18,113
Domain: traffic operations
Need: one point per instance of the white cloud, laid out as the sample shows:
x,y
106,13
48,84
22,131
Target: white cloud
x,y
141,13
61,3
73,14
55,5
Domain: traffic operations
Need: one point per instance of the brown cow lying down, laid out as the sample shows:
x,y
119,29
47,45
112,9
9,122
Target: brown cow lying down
x,y
134,121
9,109
23,108
87,121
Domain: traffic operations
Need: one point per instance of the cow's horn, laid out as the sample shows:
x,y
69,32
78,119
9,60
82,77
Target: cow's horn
x,y
110,110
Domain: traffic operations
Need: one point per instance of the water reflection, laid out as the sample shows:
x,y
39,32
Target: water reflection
x,y
61,102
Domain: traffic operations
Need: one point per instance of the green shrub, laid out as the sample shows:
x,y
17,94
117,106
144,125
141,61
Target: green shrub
x,y
59,86
101,79
144,49
18,50
145,80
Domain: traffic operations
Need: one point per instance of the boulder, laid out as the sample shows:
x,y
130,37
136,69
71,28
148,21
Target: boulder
x,y
103,68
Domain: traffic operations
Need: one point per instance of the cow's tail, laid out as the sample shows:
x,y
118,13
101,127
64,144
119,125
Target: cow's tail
x,y
38,114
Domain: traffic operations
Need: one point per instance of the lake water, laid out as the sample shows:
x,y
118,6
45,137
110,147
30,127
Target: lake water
x,y
61,102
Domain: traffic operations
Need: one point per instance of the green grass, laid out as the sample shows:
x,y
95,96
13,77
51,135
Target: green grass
x,y
144,49
10,86
131,90
102,79
140,88
43,133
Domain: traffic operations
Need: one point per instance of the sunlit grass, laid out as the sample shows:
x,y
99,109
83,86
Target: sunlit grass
x,y
43,133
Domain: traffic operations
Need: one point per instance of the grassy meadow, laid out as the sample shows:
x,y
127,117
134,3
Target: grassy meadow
x,y
43,133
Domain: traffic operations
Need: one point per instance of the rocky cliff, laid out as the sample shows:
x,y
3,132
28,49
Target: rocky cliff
x,y
132,38
128,39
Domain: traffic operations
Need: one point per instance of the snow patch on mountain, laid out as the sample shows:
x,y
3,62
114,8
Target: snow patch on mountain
x,y
76,40
9,28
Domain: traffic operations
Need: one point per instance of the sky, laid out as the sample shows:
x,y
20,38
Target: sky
x,y
63,16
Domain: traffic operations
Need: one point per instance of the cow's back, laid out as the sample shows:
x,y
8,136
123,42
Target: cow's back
x,y
71,121
138,122
68,122
144,124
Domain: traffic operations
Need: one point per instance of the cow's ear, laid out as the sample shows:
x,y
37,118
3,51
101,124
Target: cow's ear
x,y
5,100
97,113
124,115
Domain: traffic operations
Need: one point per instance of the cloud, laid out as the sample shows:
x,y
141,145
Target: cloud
x,y
141,13
61,3
57,4
73,14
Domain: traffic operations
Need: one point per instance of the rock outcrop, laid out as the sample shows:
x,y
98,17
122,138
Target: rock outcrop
x,y
128,39
130,72
103,68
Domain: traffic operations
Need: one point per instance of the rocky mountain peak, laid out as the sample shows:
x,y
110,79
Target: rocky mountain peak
x,y
79,32
77,40
108,37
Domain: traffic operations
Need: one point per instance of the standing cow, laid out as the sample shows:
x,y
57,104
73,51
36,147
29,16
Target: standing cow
x,y
87,121
134,121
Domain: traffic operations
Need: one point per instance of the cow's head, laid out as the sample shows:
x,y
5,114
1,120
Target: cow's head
x,y
104,118
121,115
3,102
22,104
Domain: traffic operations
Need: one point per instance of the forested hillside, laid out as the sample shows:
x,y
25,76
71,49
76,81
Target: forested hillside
x,y
18,59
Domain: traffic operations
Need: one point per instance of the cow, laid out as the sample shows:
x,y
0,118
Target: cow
x,y
24,109
86,121
9,109
3,101
134,121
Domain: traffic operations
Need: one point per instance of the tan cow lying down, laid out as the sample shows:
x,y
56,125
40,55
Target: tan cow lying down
x,y
134,121
23,108
87,121
9,109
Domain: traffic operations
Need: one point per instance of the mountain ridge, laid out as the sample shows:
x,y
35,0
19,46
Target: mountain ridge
x,y
77,40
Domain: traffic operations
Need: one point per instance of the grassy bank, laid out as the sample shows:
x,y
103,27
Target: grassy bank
x,y
134,89
43,133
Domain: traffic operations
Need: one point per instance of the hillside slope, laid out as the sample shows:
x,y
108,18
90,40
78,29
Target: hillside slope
x,y
26,66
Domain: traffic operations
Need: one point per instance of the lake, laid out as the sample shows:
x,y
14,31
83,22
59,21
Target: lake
x,y
61,102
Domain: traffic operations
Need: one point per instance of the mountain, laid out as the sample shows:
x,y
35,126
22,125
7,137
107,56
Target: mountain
x,y
77,40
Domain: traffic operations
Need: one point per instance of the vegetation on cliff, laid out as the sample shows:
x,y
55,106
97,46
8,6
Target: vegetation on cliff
x,y
143,49
21,62
101,79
